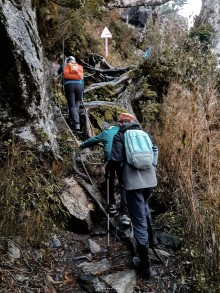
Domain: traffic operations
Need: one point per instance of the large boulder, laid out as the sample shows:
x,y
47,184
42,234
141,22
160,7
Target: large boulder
x,y
76,202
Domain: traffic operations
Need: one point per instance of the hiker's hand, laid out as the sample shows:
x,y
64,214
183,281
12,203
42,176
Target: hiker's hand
x,y
103,169
78,143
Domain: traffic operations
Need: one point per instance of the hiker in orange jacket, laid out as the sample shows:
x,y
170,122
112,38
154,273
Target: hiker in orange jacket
x,y
73,85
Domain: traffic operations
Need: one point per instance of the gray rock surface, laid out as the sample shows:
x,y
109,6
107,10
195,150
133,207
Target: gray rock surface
x,y
95,267
122,282
210,13
25,77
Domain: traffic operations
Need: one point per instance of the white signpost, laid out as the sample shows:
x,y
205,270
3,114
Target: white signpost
x,y
105,35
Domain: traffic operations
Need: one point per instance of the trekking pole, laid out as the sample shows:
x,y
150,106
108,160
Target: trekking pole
x,y
63,45
108,217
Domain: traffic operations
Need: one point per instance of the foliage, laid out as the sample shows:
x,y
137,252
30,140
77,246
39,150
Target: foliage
x,y
147,112
123,40
174,57
29,188
105,113
204,33
77,31
186,128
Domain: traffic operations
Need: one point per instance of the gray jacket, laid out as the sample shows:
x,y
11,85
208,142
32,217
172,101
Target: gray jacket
x,y
132,178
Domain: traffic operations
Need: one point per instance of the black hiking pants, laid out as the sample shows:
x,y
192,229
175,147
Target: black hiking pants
x,y
111,172
73,93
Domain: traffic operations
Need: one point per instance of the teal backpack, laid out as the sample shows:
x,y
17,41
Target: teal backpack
x,y
138,148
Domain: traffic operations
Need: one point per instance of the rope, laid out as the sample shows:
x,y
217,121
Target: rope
x,y
63,50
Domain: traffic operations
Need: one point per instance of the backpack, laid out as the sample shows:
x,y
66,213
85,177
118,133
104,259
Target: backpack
x,y
138,149
73,71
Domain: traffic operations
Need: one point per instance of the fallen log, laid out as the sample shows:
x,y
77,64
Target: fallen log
x,y
113,71
97,59
131,3
124,77
97,104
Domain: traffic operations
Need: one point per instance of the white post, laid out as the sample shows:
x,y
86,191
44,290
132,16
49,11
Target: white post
x,y
105,35
106,47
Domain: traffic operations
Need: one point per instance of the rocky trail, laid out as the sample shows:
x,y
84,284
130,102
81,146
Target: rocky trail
x,y
72,262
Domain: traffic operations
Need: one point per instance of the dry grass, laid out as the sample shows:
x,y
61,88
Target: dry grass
x,y
182,72
29,192
189,141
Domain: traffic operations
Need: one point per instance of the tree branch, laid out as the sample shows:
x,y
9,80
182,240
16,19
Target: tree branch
x,y
131,3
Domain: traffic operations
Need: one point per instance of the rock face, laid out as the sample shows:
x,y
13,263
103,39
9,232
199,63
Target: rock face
x,y
137,15
25,85
210,13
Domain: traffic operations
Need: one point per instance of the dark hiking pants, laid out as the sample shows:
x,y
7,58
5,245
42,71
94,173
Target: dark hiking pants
x,y
73,93
112,171
138,210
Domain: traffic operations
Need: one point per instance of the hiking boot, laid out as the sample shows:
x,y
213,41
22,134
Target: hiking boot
x,y
112,210
136,262
145,265
125,220
76,127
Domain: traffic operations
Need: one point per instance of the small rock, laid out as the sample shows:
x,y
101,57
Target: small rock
x,y
22,279
55,242
13,251
94,247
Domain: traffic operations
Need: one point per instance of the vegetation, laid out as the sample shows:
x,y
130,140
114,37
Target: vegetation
x,y
185,77
179,104
29,192
204,33
189,140
79,31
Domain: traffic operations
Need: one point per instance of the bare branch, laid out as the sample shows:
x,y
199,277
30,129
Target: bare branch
x,y
131,3
121,79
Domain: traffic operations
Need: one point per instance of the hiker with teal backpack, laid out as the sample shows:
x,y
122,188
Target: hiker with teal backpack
x,y
132,149
106,137
73,80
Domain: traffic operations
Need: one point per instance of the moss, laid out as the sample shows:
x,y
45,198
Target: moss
x,y
104,93
40,134
105,113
